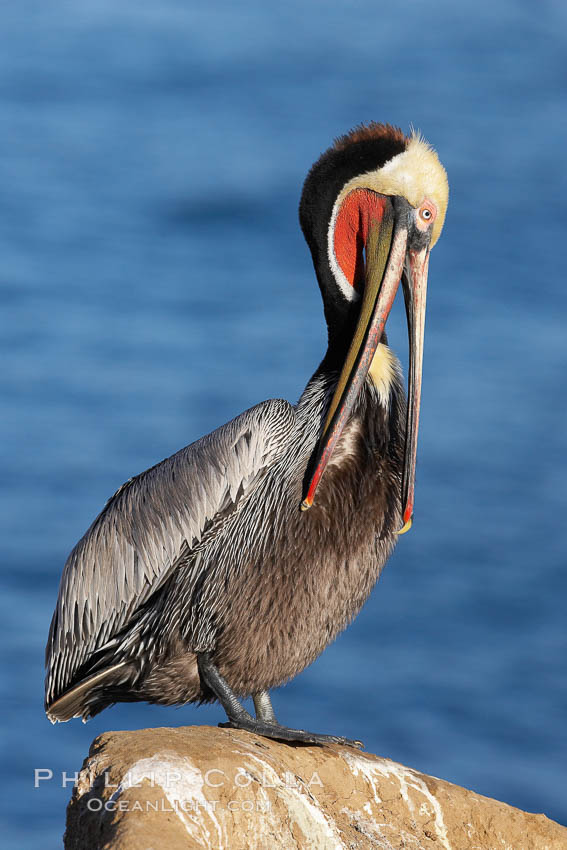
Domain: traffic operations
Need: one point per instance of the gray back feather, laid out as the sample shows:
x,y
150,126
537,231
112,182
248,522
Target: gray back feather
x,y
134,543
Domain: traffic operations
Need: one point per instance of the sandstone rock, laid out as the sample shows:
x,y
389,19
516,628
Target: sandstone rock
x,y
202,787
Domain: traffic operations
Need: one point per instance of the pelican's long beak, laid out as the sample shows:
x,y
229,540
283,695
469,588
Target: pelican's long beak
x,y
414,283
385,256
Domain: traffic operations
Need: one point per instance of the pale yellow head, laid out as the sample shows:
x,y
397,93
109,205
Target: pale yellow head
x,y
416,175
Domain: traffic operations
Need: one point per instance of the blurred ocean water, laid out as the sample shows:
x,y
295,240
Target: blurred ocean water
x,y
154,283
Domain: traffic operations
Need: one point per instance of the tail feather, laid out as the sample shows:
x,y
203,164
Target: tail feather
x,y
75,702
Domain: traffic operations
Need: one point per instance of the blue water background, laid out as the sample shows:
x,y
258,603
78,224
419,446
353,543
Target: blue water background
x,y
154,283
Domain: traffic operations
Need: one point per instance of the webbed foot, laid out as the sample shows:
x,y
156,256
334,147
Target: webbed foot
x,y
283,733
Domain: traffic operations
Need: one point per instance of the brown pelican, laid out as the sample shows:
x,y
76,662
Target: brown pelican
x,y
227,568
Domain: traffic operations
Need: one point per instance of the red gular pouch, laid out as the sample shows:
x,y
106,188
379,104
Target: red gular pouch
x,y
358,211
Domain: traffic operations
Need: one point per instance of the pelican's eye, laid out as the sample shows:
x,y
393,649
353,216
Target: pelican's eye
x,y
426,214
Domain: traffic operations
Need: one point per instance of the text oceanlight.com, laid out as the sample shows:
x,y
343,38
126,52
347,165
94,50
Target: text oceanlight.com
x,y
95,804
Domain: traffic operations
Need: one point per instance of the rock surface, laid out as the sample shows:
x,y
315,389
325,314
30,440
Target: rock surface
x,y
202,787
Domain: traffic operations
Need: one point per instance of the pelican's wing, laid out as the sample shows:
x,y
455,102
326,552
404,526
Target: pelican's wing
x,y
134,543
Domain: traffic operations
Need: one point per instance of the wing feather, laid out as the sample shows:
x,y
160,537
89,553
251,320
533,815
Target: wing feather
x,y
134,543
